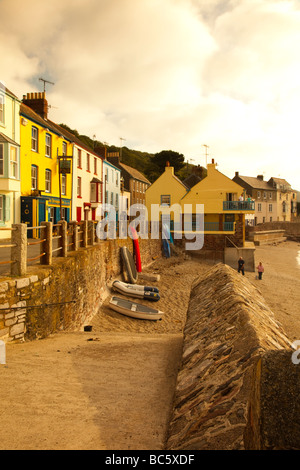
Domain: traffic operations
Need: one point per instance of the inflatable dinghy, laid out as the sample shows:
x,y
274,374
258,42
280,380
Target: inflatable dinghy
x,y
129,265
135,290
134,310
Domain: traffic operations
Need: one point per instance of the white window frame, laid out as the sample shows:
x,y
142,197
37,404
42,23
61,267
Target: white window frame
x,y
13,163
48,177
78,186
2,109
34,177
48,145
79,159
2,159
34,139
63,184
1,208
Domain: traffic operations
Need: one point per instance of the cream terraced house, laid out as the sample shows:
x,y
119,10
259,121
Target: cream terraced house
x,y
275,199
10,186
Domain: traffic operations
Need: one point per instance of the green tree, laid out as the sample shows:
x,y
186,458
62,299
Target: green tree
x,y
160,159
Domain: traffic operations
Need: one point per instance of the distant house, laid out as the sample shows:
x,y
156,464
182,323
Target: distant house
x,y
111,186
10,186
87,178
134,181
275,199
224,213
45,196
165,192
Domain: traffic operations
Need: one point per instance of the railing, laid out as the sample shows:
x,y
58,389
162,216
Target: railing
x,y
54,240
213,227
238,205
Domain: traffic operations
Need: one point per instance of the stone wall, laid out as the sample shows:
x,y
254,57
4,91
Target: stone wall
x,y
229,329
292,229
66,294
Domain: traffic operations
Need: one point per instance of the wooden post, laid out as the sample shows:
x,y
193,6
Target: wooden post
x,y
91,233
19,252
46,246
84,228
75,237
64,238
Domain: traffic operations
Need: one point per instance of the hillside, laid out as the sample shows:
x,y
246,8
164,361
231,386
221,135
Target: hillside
x,y
151,165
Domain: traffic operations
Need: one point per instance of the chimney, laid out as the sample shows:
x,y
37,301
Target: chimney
x,y
236,173
37,102
260,177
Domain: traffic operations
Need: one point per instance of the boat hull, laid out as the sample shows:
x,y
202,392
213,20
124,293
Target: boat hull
x,y
135,290
134,310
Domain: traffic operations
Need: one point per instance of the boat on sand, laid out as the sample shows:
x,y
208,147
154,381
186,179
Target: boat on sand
x,y
134,310
136,290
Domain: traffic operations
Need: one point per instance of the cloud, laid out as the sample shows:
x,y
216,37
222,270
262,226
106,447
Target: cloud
x,y
173,75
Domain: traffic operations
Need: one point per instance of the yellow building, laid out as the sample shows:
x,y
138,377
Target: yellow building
x,y
216,197
44,196
224,203
166,192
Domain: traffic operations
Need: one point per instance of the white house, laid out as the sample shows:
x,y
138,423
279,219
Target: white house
x,y
10,185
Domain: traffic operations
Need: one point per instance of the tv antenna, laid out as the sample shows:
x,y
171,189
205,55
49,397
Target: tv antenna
x,y
206,147
46,81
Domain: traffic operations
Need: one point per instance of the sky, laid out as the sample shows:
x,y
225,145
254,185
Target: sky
x,y
206,78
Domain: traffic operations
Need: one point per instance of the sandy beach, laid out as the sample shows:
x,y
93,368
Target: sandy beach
x,y
112,388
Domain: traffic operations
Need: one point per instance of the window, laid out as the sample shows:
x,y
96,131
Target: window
x,y
34,139
78,158
270,195
95,192
117,178
265,195
165,200
259,207
78,186
34,177
95,165
1,109
48,145
48,181
1,159
63,184
13,162
64,149
270,207
87,162
112,199
258,194
1,208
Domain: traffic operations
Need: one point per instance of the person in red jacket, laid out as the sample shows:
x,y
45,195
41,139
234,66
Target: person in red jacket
x,y
260,270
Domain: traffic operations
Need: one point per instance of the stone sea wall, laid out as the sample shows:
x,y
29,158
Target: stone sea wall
x,y
66,294
228,332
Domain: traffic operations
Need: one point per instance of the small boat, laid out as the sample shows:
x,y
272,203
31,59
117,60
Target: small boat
x,y
129,264
135,290
134,310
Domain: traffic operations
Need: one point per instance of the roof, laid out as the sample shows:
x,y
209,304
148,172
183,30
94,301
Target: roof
x,y
30,114
6,90
256,183
191,180
133,173
4,138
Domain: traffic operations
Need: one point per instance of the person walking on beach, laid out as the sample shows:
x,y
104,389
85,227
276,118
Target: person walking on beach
x,y
241,266
260,270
